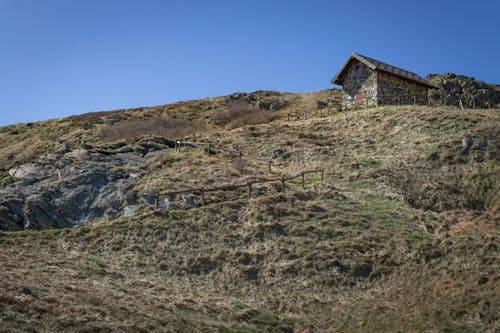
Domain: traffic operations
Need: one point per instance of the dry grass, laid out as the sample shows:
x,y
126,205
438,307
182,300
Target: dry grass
x,y
362,252
128,130
240,114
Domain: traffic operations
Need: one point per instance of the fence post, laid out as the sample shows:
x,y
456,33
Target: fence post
x,y
283,184
288,115
305,115
208,150
157,199
322,175
414,100
303,180
202,198
270,162
249,190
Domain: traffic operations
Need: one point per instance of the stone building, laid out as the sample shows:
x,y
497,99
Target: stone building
x,y
369,82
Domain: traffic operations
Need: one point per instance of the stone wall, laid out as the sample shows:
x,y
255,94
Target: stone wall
x,y
359,87
394,90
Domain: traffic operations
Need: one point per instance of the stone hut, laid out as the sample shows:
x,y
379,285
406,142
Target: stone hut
x,y
369,82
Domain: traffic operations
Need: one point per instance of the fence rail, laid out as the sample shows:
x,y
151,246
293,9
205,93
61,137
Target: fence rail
x,y
210,146
249,185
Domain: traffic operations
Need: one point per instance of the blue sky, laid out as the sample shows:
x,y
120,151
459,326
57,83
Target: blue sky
x,y
65,57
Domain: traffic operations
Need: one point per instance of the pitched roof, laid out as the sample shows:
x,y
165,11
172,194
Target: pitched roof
x,y
377,65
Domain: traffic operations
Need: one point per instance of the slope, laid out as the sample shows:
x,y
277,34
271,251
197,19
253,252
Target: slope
x,y
402,234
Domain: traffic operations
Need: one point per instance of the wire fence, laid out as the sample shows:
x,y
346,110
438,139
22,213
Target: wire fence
x,y
408,99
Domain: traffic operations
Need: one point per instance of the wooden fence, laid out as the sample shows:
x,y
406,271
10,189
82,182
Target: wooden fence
x,y
212,147
323,112
249,186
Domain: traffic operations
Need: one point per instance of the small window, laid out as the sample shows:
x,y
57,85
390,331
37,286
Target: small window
x,y
359,72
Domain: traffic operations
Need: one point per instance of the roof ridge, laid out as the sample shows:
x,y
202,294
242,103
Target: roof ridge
x,y
378,65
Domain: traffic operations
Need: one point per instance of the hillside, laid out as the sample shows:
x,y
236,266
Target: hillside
x,y
401,235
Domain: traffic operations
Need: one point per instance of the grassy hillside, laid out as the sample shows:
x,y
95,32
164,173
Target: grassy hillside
x,y
401,236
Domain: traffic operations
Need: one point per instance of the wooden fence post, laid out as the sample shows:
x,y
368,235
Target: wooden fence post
x,y
460,104
322,175
202,198
157,200
208,150
414,100
288,116
249,190
303,180
270,162
283,184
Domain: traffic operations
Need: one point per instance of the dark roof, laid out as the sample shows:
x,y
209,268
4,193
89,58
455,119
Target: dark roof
x,y
377,65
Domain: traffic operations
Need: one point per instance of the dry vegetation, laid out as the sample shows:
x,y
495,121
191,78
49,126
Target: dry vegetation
x,y
240,114
129,130
401,237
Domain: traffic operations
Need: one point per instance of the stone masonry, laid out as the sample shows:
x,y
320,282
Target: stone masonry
x,y
368,82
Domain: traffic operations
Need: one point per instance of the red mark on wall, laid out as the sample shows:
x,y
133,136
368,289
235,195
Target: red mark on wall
x,y
359,98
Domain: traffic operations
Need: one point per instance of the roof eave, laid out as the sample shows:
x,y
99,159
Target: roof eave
x,y
337,80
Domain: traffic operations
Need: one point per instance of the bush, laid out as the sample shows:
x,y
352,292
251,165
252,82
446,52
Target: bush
x,y
130,129
240,114
446,187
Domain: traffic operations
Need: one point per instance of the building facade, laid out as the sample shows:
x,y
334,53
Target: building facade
x,y
368,82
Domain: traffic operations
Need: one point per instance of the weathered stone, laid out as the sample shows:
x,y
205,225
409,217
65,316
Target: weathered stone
x,y
79,154
129,211
367,82
434,156
455,88
84,194
467,142
63,148
189,200
321,105
124,149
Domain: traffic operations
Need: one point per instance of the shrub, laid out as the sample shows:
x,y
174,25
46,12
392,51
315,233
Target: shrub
x,y
446,187
240,114
130,129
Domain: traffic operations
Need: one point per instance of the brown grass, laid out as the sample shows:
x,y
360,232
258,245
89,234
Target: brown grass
x,y
130,129
240,114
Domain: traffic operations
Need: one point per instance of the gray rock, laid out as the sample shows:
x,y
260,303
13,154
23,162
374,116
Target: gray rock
x,y
63,148
482,144
124,149
79,154
149,198
434,156
467,142
11,206
239,96
84,194
170,203
277,153
189,200
129,211
321,105
149,145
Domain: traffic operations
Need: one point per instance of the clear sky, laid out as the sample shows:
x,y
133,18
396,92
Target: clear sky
x,y
65,57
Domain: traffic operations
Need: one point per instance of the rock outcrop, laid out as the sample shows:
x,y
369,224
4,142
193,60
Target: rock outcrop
x,y
66,189
472,93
